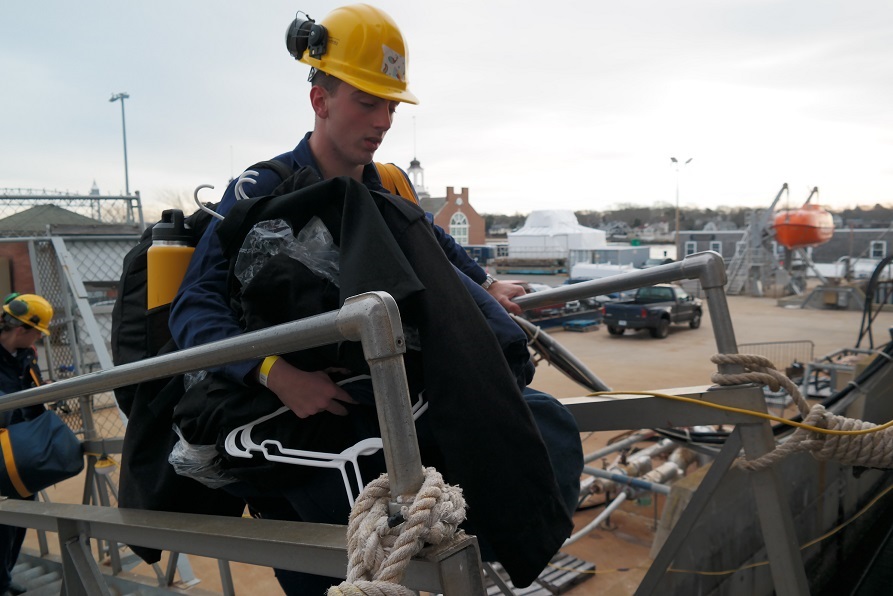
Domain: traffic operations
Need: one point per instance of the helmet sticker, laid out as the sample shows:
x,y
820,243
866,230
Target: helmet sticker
x,y
393,64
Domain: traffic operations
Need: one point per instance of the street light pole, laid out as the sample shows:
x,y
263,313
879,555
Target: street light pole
x,y
676,163
115,97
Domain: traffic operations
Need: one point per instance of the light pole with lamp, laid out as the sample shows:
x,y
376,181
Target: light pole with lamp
x,y
676,163
115,97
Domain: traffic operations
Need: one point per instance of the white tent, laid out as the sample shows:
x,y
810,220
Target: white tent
x,y
551,234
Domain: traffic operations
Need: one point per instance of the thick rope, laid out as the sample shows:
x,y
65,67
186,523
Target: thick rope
x,y
873,450
377,553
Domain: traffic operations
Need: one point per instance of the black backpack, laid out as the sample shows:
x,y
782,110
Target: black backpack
x,y
146,480
139,333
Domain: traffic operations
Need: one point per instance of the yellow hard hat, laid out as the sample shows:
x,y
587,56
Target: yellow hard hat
x,y
30,309
358,44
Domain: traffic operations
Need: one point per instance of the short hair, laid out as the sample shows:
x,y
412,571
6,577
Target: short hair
x,y
324,80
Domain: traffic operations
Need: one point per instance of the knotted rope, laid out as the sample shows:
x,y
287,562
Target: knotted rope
x,y
377,553
872,449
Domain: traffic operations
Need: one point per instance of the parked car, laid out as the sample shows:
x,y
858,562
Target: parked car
x,y
654,308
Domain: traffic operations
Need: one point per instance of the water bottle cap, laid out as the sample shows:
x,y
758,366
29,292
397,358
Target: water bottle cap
x,y
172,228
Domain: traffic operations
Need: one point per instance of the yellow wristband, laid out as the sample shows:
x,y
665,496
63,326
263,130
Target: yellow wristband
x,y
265,367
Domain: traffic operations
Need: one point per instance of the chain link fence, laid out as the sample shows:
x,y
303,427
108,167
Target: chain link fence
x,y
79,277
783,354
35,225
83,277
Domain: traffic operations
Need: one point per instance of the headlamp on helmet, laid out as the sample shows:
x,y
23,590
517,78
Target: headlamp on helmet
x,y
305,34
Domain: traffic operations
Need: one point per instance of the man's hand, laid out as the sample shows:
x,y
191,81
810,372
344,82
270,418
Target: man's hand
x,y
306,393
504,292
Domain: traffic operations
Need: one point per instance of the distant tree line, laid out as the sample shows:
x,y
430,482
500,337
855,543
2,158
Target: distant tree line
x,y
633,216
867,217
689,218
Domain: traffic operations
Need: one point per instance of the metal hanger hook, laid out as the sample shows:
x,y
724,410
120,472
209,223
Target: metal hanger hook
x,y
201,205
246,176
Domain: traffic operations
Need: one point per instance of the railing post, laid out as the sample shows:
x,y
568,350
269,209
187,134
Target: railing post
x,y
776,521
80,573
374,319
710,270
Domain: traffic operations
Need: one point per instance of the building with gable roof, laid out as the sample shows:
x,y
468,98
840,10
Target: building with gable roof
x,y
48,220
453,212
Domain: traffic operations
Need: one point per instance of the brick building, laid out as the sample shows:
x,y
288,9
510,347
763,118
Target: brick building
x,y
453,212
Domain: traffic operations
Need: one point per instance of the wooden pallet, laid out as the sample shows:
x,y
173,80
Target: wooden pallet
x,y
563,573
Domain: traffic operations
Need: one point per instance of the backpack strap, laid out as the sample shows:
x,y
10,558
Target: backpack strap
x,y
9,462
394,180
273,164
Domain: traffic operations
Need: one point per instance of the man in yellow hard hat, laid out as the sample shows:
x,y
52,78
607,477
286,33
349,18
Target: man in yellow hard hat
x,y
359,61
358,77
24,320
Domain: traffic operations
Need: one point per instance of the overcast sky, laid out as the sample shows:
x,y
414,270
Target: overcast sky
x,y
532,105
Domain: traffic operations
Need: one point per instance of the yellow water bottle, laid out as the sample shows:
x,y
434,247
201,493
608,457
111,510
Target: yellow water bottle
x,y
167,258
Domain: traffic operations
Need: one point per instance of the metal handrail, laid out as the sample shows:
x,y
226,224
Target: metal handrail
x,y
372,318
776,522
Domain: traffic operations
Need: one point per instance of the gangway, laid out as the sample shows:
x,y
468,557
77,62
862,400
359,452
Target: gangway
x,y
374,320
754,437
754,258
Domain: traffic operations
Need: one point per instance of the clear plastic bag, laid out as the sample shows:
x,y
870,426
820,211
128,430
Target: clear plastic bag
x,y
191,379
199,462
314,247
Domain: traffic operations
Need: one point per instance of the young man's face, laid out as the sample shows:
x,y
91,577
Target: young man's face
x,y
356,123
26,337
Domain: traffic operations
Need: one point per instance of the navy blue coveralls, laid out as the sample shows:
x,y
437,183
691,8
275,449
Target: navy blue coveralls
x,y
201,313
15,375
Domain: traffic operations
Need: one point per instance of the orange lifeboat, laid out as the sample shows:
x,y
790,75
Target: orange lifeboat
x,y
810,225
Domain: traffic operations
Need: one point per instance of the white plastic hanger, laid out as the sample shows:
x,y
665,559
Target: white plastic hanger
x,y
240,443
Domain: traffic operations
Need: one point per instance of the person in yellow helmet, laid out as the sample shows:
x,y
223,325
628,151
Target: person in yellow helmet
x,y
24,320
359,63
32,312
359,76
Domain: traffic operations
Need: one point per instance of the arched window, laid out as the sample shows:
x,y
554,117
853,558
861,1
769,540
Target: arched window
x,y
459,228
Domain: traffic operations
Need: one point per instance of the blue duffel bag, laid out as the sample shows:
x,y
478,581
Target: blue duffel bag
x,y
38,453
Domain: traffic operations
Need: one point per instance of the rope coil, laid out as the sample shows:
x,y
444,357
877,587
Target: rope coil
x,y
378,554
874,450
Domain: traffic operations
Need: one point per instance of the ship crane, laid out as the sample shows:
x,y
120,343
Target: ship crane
x,y
756,263
797,230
